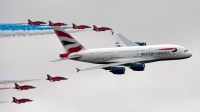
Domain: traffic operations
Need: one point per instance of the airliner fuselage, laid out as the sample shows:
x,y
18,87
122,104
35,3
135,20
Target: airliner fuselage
x,y
108,55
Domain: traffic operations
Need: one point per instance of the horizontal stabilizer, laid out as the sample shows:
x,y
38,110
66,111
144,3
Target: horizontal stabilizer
x,y
61,59
70,57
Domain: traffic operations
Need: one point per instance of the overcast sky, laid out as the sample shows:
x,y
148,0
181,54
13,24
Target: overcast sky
x,y
169,86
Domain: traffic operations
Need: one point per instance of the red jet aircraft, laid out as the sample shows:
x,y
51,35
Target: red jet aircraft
x,y
25,87
56,24
100,28
35,22
79,26
19,101
53,79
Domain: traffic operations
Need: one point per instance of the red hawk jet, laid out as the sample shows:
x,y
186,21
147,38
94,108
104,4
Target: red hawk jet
x,y
35,22
79,26
100,28
19,101
53,79
24,87
56,24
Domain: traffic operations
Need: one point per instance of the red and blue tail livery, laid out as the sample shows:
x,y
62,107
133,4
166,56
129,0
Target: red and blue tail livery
x,y
69,43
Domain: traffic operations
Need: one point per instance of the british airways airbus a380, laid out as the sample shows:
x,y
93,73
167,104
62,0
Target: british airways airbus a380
x,y
128,54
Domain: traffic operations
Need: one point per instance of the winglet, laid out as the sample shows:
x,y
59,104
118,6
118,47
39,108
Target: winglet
x,y
77,70
112,32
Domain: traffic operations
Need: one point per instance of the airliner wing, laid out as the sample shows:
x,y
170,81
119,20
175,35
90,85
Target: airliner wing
x,y
119,63
123,41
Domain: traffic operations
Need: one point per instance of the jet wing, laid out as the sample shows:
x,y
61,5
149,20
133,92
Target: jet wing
x,y
123,41
119,63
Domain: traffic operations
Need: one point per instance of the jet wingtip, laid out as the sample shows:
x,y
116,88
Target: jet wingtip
x,y
77,70
112,32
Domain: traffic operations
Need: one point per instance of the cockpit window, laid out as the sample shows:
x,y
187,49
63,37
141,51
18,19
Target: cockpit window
x,y
185,50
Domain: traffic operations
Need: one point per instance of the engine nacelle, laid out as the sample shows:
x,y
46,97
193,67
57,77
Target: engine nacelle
x,y
118,70
141,43
137,67
117,45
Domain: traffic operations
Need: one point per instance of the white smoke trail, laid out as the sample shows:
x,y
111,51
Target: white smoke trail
x,y
4,101
17,81
34,32
6,88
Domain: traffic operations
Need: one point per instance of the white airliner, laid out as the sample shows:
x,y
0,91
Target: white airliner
x,y
128,54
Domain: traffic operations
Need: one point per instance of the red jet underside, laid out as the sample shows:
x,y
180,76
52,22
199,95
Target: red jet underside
x,y
23,101
38,22
59,24
25,87
103,29
58,78
83,27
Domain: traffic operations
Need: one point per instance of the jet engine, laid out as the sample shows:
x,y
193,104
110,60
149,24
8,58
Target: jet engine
x,y
117,44
137,67
118,70
141,43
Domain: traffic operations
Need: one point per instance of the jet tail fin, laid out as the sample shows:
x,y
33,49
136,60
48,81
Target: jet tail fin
x,y
17,86
74,26
48,76
14,99
50,23
30,22
95,28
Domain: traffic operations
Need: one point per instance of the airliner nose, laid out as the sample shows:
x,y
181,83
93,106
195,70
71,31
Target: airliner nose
x,y
189,54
